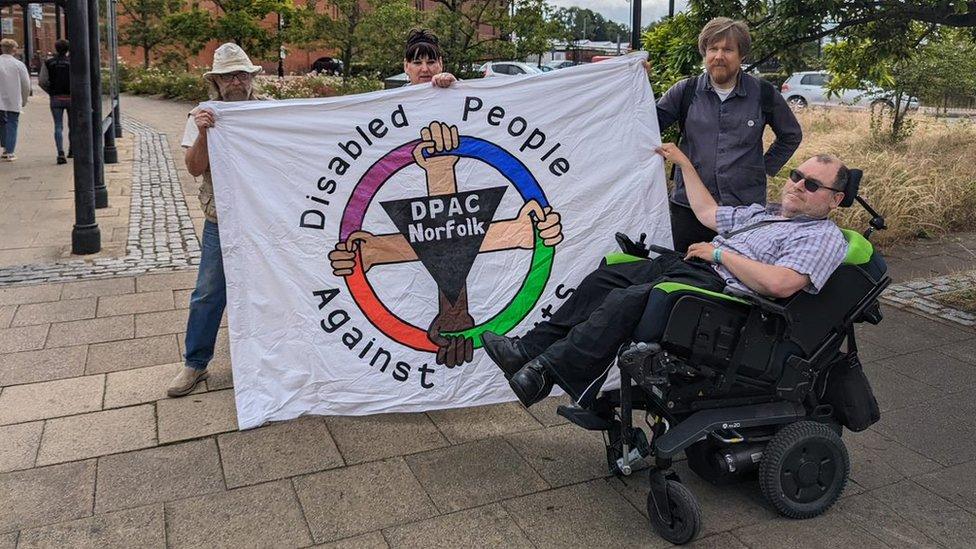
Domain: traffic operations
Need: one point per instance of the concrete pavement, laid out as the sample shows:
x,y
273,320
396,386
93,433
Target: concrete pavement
x,y
93,454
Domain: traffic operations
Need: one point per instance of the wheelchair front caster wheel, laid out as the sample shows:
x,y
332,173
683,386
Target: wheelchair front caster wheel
x,y
804,469
684,524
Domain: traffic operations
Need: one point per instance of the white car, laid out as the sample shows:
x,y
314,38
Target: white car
x,y
803,89
497,68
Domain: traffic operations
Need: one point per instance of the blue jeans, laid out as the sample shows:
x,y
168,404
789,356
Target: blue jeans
x,y
207,301
58,108
8,130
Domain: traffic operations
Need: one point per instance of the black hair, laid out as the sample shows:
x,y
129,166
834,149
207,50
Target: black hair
x,y
422,43
843,173
61,46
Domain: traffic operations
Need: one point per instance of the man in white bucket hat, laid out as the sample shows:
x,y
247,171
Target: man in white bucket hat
x,y
230,79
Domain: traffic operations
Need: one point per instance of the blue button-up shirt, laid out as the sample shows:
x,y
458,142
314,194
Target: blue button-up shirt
x,y
809,246
724,139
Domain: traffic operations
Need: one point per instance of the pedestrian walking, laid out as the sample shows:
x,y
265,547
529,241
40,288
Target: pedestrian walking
x,y
55,79
14,91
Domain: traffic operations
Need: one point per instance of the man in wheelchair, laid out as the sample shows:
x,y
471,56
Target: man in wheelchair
x,y
742,353
773,251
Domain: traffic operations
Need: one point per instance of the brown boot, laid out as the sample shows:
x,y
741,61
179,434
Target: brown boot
x,y
185,381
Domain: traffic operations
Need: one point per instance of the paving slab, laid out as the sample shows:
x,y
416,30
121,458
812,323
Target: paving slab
x,y
162,322
23,338
18,445
277,451
894,390
564,454
473,474
467,424
372,540
46,495
145,302
956,484
935,516
97,288
878,519
42,365
55,311
961,350
828,531
95,330
544,411
946,374
196,416
877,460
7,315
369,438
30,294
934,429
265,515
9,540
583,515
725,540
160,474
127,354
724,508
143,527
141,385
488,527
49,399
354,500
167,281
97,434
905,332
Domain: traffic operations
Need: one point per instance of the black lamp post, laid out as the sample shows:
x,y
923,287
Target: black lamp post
x,y
635,25
86,237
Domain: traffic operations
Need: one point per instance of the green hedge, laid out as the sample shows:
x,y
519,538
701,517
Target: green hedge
x,y
179,85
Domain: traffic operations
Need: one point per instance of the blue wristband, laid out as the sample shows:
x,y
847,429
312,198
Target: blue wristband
x,y
717,255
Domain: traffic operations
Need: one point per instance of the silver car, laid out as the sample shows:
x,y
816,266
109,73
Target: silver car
x,y
803,89
496,68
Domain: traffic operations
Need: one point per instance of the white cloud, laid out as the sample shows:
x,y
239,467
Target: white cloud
x,y
619,10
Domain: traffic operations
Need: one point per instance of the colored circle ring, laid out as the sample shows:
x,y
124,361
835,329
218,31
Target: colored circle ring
x,y
521,303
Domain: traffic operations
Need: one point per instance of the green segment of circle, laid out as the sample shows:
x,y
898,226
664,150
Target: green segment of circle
x,y
523,302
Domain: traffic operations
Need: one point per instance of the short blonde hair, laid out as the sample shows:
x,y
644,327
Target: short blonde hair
x,y
723,27
8,45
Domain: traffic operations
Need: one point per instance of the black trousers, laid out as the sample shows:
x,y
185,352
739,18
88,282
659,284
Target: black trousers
x,y
581,339
686,229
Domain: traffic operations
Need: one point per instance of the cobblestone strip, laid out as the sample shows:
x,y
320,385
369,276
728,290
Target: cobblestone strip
x,y
161,234
918,295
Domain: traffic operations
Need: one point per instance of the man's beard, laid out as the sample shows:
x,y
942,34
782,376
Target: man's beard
x,y
237,94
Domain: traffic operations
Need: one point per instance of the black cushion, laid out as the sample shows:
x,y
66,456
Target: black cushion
x,y
853,184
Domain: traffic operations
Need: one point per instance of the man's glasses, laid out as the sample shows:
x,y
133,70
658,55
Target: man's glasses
x,y
810,184
240,76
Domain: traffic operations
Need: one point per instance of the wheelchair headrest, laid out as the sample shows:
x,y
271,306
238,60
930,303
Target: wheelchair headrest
x,y
853,184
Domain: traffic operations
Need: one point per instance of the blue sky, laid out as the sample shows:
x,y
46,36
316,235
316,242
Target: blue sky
x,y
619,10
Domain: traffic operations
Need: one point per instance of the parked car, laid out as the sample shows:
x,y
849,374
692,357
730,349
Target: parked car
x,y
807,88
561,64
327,65
496,68
396,81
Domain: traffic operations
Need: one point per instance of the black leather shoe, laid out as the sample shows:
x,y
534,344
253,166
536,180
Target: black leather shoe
x,y
532,383
505,352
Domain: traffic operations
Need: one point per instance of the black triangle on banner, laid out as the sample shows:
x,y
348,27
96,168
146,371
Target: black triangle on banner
x,y
446,231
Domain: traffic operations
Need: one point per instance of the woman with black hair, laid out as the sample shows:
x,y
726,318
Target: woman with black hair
x,y
423,61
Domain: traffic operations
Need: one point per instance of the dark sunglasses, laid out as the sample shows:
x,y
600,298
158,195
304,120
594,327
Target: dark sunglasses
x,y
810,184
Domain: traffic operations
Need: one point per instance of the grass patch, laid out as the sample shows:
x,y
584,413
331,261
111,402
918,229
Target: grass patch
x,y
963,300
925,187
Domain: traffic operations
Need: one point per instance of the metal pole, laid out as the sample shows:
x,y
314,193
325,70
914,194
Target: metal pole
x,y
94,64
28,42
57,21
111,155
670,8
281,58
114,52
85,236
635,26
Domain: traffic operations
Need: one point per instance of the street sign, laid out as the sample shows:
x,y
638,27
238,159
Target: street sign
x,y
36,11
6,25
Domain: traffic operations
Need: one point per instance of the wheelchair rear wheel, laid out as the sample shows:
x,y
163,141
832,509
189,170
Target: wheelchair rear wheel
x,y
804,469
686,513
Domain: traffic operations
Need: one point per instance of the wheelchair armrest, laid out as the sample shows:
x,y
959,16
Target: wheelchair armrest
x,y
764,304
660,250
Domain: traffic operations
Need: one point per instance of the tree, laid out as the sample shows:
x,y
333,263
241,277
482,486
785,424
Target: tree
x,y
240,21
535,27
144,24
585,24
383,32
462,26
189,31
672,51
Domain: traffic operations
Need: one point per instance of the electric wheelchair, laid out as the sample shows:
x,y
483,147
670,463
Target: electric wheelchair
x,y
743,385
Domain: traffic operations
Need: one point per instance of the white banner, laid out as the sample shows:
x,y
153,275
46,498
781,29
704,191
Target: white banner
x,y
369,240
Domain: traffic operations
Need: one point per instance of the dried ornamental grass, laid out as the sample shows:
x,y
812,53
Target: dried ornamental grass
x,y
925,186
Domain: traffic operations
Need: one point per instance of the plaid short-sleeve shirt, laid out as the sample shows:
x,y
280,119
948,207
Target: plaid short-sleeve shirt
x,y
812,247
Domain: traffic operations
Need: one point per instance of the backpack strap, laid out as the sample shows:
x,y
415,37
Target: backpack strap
x,y
687,97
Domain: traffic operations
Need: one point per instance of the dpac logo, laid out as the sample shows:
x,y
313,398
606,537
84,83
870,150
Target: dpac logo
x,y
445,230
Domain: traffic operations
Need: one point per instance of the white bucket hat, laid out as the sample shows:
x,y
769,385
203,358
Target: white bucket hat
x,y
229,58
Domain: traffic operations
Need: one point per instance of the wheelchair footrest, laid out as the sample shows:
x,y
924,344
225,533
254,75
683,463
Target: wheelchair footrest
x,y
585,418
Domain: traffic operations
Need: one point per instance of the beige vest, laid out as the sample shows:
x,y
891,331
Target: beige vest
x,y
206,195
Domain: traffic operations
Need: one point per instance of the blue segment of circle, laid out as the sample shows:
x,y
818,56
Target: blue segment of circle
x,y
512,168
